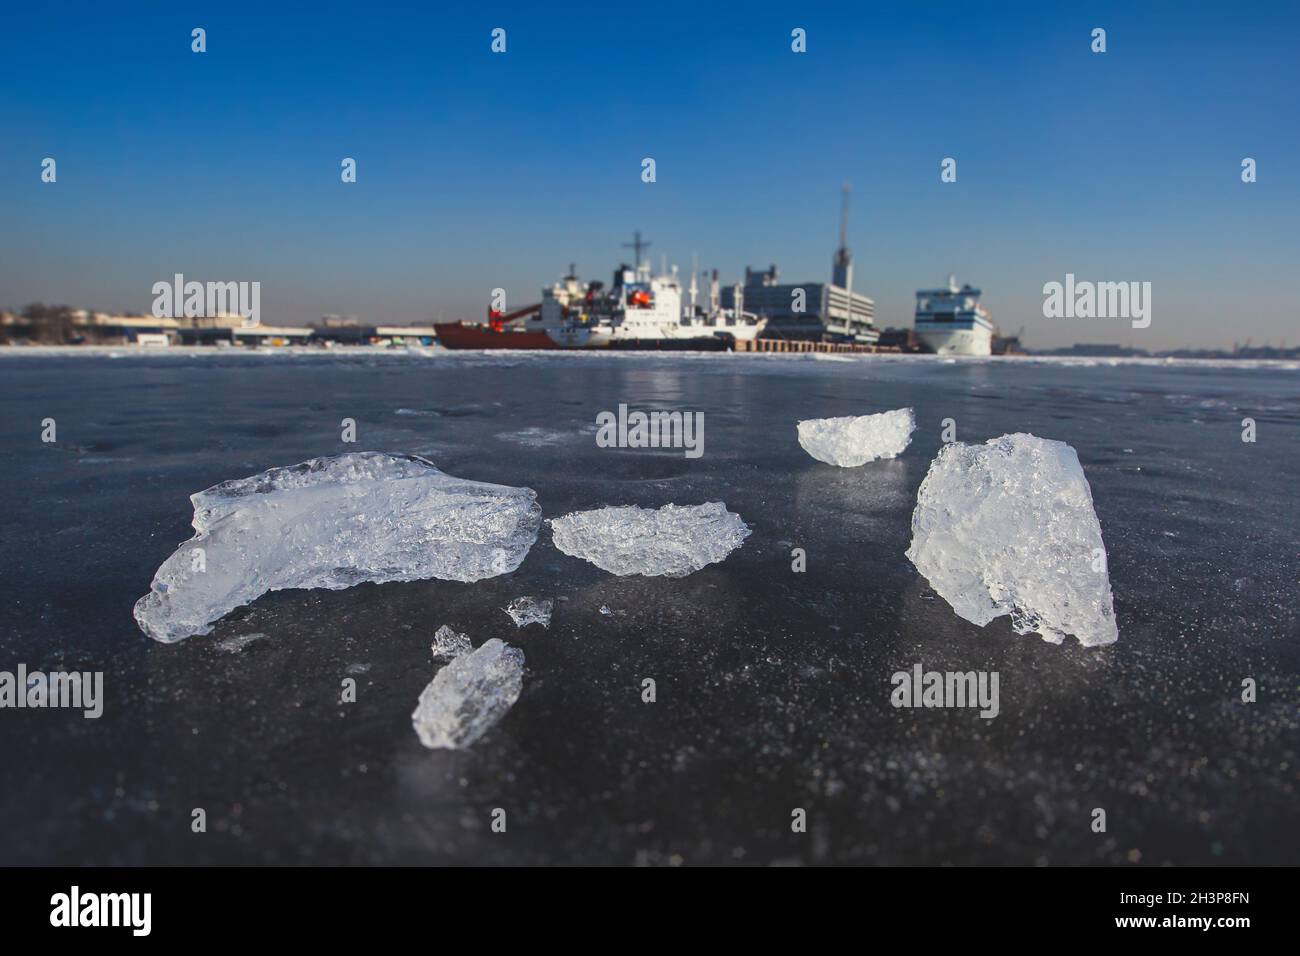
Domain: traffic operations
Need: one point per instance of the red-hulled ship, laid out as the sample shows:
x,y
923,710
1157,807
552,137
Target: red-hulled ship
x,y
637,312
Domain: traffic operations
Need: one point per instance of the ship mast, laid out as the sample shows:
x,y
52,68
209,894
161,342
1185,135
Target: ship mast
x,y
694,288
636,245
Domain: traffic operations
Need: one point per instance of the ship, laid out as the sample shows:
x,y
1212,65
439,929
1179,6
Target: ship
x,y
951,321
638,311
742,326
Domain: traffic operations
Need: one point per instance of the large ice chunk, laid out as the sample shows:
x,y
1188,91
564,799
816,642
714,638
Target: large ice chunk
x,y
673,540
469,695
856,440
1008,527
332,523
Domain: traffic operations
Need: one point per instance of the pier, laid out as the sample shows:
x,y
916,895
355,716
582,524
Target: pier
x,y
802,345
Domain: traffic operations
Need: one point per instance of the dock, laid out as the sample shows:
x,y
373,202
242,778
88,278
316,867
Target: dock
x,y
802,345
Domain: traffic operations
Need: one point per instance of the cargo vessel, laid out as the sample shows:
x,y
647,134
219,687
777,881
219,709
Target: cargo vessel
x,y
638,311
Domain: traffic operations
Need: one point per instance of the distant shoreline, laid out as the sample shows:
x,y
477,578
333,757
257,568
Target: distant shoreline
x,y
439,352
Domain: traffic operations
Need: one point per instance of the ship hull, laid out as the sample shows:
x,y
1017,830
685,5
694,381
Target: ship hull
x,y
974,341
456,335
707,343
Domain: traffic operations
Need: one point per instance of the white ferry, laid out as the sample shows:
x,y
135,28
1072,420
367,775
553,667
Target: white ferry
x,y
951,321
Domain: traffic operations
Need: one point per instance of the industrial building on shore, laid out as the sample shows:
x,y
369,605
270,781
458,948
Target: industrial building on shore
x,y
60,326
810,311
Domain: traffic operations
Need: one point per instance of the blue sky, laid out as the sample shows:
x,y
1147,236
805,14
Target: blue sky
x,y
478,170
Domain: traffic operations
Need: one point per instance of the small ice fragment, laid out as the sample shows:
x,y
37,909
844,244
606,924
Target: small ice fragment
x,y
469,695
447,644
856,440
332,523
674,540
233,645
1008,527
534,437
528,610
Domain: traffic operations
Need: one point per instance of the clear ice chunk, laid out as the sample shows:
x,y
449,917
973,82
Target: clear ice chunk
x,y
469,695
332,523
857,439
528,610
1008,527
447,644
674,540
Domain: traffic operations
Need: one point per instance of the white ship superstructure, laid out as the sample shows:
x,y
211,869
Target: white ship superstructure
x,y
638,308
951,321
736,322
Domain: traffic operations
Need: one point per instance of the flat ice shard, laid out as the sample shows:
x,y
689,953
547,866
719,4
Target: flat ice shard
x,y
673,540
528,610
233,645
447,644
332,523
856,440
1008,527
469,695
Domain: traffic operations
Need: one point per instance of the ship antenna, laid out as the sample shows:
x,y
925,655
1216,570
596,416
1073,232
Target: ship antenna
x,y
694,288
636,245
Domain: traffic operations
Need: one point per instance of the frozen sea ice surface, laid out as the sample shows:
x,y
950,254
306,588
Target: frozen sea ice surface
x,y
856,440
1008,527
528,610
673,541
468,696
332,523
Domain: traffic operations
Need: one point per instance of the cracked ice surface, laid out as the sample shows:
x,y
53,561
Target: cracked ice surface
x,y
1008,527
674,540
332,523
856,440
528,610
448,644
469,695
